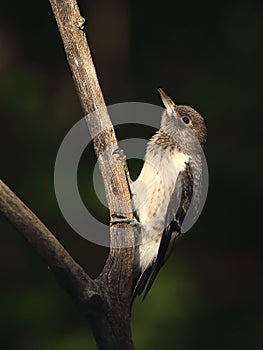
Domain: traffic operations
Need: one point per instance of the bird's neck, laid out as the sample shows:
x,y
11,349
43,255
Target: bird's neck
x,y
164,140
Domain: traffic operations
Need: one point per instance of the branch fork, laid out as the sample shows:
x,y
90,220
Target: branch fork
x,y
105,300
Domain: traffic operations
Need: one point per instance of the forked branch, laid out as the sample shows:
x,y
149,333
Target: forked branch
x,y
106,300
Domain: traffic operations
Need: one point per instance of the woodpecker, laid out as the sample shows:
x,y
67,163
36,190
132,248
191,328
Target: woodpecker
x,y
168,186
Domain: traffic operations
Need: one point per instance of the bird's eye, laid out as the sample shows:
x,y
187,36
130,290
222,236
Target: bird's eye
x,y
186,120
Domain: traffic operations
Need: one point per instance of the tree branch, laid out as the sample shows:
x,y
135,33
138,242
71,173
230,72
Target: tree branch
x,y
70,275
70,24
105,301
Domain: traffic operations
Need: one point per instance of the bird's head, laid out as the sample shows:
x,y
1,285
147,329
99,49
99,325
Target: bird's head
x,y
183,123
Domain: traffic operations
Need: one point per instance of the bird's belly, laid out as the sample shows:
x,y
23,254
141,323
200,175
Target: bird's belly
x,y
150,203
151,196
147,252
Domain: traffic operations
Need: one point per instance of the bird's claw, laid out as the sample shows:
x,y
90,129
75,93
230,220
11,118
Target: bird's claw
x,y
119,218
121,154
122,158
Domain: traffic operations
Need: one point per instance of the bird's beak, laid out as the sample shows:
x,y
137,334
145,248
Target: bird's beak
x,y
168,103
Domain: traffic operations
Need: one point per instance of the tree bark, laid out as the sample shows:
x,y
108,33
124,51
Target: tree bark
x,y
69,274
106,300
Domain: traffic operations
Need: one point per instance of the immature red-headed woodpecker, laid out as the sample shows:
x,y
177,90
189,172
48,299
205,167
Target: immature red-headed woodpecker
x,y
167,189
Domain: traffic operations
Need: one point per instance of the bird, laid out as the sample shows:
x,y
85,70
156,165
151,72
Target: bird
x,y
167,190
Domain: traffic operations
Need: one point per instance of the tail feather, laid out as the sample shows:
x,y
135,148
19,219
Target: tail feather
x,y
140,282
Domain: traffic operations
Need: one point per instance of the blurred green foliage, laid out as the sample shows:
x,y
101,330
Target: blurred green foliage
x,y
208,55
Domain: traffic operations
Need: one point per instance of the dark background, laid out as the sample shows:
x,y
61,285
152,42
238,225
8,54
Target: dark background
x,y
206,54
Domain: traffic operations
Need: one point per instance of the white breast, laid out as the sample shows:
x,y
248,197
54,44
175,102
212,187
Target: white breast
x,y
151,196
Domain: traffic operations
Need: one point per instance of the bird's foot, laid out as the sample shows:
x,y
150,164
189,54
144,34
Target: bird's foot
x,y
121,155
119,218
122,158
